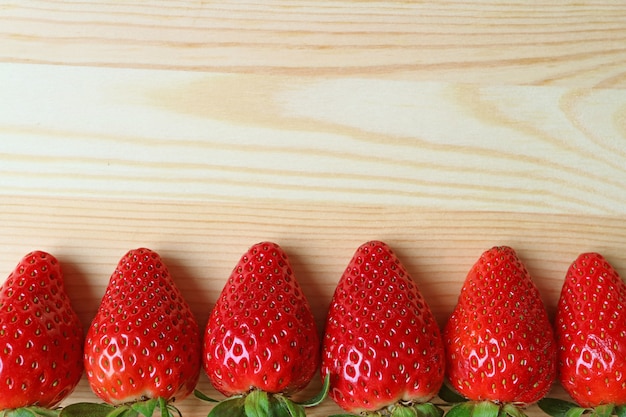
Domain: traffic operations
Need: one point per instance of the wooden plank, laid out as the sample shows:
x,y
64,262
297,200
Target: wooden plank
x,y
486,42
201,243
153,134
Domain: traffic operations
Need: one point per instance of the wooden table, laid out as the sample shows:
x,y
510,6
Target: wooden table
x,y
200,128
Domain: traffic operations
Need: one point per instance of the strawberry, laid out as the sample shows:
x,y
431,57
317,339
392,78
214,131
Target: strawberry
x,y
143,347
591,335
500,346
41,337
261,343
382,347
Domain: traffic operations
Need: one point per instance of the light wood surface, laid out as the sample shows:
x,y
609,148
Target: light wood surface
x,y
200,128
488,41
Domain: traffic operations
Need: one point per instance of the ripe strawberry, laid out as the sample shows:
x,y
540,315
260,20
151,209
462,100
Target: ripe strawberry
x,y
591,333
41,337
500,346
261,341
382,346
144,343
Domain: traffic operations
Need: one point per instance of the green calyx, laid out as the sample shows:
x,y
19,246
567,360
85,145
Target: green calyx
x,y
145,408
404,410
462,407
561,408
32,411
259,403
450,396
484,409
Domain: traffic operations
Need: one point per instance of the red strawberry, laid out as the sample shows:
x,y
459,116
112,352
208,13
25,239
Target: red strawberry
x,y
261,336
382,346
144,343
41,338
500,346
591,333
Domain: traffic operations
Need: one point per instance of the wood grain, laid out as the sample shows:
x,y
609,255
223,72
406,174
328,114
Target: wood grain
x,y
196,136
487,42
202,242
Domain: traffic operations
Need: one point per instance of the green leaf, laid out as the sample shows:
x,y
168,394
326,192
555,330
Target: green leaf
x,y
401,411
86,410
146,408
21,412
556,407
512,411
123,411
30,411
202,396
173,410
428,410
232,407
163,408
257,404
486,409
45,412
575,412
604,410
620,411
449,395
461,410
292,408
319,398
